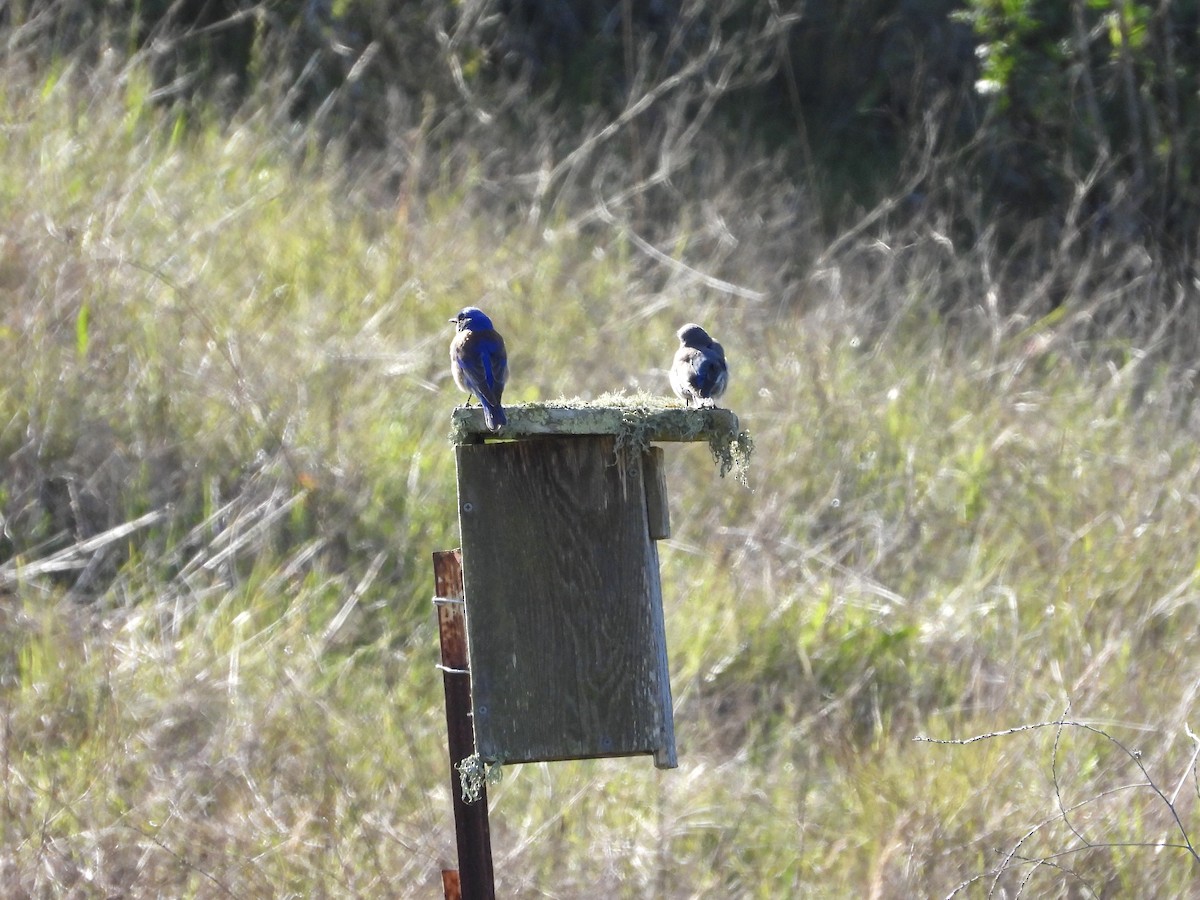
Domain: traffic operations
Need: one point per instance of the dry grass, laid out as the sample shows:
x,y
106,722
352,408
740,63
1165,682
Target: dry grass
x,y
970,509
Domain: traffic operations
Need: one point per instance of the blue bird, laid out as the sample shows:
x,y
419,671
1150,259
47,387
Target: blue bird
x,y
479,363
698,372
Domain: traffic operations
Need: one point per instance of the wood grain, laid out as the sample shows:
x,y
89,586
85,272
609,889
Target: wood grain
x,y
564,606
658,512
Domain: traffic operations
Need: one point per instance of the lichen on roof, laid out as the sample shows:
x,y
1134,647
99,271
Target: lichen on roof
x,y
635,421
732,453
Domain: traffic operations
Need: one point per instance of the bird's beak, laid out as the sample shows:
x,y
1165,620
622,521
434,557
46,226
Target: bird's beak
x,y
452,319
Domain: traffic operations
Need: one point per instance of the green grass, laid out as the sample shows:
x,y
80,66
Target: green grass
x,y
953,527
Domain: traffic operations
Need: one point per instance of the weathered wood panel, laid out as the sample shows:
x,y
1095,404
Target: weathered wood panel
x,y
564,606
644,424
658,511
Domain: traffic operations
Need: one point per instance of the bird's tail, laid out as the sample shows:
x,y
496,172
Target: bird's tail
x,y
494,416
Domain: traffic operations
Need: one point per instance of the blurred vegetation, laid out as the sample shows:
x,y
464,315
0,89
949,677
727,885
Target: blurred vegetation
x,y
232,237
1080,113
1040,96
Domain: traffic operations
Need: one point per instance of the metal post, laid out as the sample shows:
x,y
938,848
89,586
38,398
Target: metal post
x,y
475,876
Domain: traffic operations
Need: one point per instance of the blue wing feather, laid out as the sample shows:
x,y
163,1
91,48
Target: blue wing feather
x,y
483,363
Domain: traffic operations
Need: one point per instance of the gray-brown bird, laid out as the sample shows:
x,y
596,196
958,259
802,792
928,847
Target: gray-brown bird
x,y
698,373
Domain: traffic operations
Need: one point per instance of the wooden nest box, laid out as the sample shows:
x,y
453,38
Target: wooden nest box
x,y
559,520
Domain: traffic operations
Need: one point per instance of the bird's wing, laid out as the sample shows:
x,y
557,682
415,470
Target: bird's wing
x,y
484,365
707,371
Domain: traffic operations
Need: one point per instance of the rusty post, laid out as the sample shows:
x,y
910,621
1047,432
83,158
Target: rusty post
x,y
450,886
475,876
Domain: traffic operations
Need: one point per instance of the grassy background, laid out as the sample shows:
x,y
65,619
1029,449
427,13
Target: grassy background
x,y
958,523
